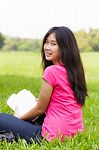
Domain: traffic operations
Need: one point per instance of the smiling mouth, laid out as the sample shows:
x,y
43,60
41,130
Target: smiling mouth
x,y
48,54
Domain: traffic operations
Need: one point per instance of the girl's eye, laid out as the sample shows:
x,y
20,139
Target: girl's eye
x,y
53,44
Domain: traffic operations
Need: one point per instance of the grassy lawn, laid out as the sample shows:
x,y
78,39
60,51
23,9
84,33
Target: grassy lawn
x,y
19,70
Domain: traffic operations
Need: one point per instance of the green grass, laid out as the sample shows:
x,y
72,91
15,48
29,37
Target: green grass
x,y
19,70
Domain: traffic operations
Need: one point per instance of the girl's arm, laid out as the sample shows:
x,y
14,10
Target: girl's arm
x,y
42,104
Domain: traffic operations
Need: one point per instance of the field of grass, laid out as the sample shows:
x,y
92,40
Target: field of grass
x,y
19,70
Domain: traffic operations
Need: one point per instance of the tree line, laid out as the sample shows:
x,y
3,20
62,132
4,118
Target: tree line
x,y
87,41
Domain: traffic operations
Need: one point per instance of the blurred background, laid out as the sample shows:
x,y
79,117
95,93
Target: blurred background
x,y
23,23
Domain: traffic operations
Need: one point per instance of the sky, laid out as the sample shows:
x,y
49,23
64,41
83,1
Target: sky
x,y
33,18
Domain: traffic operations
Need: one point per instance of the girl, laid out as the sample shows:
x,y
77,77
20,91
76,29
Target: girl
x,y
62,95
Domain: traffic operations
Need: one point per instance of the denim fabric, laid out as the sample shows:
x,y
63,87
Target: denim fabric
x,y
20,128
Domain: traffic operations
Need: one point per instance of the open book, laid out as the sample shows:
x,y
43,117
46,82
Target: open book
x,y
21,102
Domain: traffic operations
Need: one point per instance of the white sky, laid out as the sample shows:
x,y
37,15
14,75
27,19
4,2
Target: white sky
x,y
33,18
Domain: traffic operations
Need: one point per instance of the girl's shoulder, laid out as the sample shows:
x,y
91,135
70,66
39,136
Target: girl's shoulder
x,y
55,71
55,67
50,69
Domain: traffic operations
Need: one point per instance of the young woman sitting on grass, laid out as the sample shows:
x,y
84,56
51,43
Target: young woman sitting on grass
x,y
62,95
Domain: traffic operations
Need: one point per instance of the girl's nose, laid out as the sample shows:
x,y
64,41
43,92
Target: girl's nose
x,y
47,47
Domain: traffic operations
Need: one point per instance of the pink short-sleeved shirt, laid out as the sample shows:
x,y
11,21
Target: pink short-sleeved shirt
x,y
64,114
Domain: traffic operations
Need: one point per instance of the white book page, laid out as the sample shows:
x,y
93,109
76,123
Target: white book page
x,y
22,102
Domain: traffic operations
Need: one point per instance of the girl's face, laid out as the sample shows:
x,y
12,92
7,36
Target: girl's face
x,y
51,49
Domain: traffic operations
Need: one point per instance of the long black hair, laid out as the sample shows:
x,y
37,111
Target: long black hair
x,y
70,57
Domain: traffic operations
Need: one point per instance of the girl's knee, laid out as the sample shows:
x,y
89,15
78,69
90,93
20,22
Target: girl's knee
x,y
4,116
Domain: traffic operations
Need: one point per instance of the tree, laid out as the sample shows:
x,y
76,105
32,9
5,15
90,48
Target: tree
x,y
83,41
94,39
1,40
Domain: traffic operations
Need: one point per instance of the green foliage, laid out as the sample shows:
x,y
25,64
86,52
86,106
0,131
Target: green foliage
x,y
1,40
17,44
26,73
94,39
87,41
83,41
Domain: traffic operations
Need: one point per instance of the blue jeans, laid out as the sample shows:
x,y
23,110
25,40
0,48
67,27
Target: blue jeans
x,y
20,128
